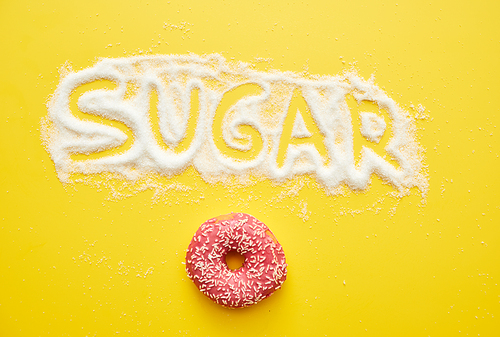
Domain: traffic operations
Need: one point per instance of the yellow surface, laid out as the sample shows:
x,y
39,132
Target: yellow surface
x,y
74,263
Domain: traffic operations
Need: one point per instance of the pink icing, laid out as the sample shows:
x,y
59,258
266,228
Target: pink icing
x,y
263,271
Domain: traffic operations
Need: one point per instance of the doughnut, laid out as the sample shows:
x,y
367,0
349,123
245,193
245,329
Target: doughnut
x,y
263,271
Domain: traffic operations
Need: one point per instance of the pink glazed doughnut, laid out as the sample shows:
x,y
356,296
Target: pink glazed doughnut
x,y
263,271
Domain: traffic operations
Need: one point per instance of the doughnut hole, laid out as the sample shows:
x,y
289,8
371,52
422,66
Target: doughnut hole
x,y
234,260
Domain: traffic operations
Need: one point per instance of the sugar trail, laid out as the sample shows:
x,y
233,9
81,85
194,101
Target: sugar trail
x,y
175,77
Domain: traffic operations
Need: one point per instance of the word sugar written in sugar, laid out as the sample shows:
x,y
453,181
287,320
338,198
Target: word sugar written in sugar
x,y
175,80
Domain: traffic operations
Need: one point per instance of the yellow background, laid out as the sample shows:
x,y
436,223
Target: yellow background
x,y
74,263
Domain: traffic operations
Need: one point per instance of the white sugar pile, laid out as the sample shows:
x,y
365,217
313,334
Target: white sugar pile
x,y
174,77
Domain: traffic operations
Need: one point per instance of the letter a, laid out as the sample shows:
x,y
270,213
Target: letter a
x,y
301,137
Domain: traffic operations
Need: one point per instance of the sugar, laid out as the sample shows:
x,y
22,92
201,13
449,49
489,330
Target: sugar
x,y
175,77
372,126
